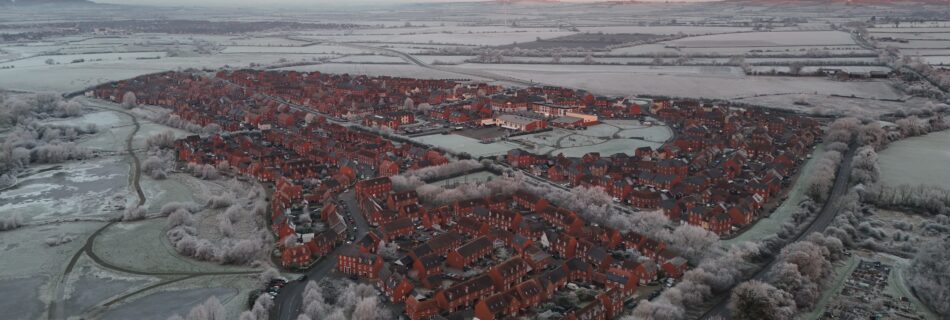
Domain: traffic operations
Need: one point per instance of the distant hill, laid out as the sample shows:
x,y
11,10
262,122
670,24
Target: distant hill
x,y
836,1
39,2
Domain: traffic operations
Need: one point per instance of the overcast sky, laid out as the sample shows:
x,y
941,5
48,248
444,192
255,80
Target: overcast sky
x,y
253,3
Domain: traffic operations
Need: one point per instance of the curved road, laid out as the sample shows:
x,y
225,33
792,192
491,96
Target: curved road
x,y
289,302
827,215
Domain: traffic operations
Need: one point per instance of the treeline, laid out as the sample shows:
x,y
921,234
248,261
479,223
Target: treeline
x,y
222,244
28,141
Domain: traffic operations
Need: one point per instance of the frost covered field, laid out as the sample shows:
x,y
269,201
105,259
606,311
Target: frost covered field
x,y
474,147
766,39
917,160
610,137
708,82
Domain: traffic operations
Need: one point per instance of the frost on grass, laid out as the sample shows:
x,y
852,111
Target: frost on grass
x,y
58,239
211,309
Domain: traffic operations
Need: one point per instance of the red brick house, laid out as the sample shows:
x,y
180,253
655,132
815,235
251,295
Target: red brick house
x,y
395,286
421,309
470,252
465,293
499,306
397,228
374,187
508,273
352,262
296,256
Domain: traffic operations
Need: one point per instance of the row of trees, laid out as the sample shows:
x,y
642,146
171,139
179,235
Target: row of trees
x,y
167,118
715,274
415,178
794,284
24,108
342,300
922,198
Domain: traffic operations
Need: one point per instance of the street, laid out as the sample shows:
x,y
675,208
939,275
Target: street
x,y
289,302
827,214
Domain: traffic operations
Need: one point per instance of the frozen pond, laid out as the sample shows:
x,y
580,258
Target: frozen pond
x,y
917,160
81,188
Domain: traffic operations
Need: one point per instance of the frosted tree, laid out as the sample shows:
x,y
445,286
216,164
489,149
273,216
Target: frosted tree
x,y
129,100
155,168
133,213
164,139
694,242
865,168
11,221
929,274
756,300
370,309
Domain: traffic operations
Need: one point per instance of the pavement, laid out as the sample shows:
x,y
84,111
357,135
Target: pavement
x,y
289,302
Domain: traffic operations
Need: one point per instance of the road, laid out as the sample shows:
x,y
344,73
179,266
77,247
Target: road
x,y
827,215
289,302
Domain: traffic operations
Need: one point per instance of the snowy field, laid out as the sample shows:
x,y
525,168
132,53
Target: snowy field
x,y
917,160
90,285
313,49
406,70
474,147
665,30
456,37
164,304
480,176
370,59
766,39
87,58
610,137
685,81
30,266
72,77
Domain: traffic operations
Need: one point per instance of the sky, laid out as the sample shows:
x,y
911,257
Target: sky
x,y
258,3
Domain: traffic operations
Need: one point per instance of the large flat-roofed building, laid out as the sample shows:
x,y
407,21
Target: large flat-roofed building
x,y
516,122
